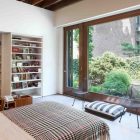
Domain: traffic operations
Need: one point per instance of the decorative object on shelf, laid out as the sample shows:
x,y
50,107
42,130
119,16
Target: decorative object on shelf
x,y
24,84
13,64
25,50
28,57
39,84
19,57
19,64
15,49
39,70
15,78
31,50
33,45
14,70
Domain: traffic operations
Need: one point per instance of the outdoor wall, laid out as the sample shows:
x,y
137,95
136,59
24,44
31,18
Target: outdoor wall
x,y
22,18
84,11
109,36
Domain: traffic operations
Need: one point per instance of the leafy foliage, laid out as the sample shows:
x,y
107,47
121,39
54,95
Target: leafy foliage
x,y
134,67
90,43
96,89
76,67
100,66
117,81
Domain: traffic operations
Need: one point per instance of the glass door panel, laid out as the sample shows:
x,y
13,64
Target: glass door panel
x,y
72,58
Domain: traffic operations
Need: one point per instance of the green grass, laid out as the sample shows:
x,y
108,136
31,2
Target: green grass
x,y
97,89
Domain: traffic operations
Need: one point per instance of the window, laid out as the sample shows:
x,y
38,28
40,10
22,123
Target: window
x,y
103,56
114,56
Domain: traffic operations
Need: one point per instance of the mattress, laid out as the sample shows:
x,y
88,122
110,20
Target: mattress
x,y
54,121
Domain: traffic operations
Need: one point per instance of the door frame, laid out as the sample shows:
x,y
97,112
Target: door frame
x,y
65,88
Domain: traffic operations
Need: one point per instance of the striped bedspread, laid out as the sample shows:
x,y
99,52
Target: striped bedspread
x,y
54,121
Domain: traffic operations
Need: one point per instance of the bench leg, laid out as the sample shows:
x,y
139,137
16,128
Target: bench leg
x,y
122,115
73,102
137,117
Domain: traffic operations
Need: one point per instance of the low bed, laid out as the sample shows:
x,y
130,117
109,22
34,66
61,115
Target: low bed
x,y
51,121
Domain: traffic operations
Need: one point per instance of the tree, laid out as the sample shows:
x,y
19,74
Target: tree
x,y
90,43
130,50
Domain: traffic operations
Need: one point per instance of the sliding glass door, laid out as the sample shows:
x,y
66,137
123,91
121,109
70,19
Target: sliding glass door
x,y
72,58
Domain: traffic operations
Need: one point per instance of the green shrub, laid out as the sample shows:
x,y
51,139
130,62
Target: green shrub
x,y
96,89
100,66
117,81
134,67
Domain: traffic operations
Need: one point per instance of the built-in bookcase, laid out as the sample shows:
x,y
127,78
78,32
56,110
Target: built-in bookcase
x,y
25,66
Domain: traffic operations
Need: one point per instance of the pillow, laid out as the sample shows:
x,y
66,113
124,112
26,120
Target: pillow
x,y
112,111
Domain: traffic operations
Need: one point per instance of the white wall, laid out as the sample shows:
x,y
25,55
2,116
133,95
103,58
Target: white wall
x,y
22,18
84,11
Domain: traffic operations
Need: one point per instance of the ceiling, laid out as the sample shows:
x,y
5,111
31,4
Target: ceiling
x,y
50,4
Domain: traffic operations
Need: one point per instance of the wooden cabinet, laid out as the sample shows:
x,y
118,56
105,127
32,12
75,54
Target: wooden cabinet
x,y
23,100
1,104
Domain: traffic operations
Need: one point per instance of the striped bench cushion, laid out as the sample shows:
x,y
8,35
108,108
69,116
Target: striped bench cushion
x,y
110,109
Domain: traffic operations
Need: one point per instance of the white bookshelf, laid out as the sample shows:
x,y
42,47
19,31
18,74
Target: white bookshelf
x,y
21,64
26,64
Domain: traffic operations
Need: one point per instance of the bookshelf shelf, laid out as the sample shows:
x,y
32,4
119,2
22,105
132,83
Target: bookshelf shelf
x,y
27,53
29,88
26,72
21,46
26,66
27,80
29,41
27,60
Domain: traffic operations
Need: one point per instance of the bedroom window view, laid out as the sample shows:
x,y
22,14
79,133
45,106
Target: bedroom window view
x,y
114,57
73,58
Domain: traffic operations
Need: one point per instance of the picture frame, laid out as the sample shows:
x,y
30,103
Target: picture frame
x,y
24,85
19,64
15,78
25,50
32,44
28,57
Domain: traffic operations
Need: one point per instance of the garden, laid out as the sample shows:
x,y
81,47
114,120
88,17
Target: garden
x,y
109,73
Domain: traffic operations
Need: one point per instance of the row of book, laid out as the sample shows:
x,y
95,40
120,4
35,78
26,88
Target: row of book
x,y
24,50
17,78
25,56
25,85
22,70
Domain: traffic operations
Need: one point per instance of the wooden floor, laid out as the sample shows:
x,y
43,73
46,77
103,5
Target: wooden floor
x,y
126,130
